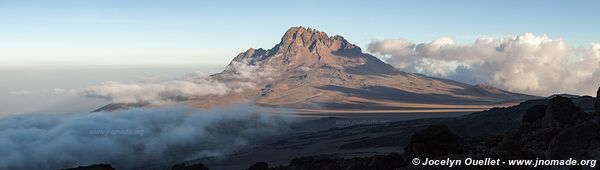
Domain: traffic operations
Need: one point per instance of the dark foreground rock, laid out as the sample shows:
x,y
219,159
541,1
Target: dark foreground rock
x,y
560,112
377,162
93,167
597,103
182,166
556,130
534,113
259,166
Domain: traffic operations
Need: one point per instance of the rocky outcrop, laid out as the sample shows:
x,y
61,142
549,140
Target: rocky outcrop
x,y
560,112
433,141
558,130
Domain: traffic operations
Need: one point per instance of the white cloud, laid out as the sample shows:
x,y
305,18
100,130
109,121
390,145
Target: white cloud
x,y
19,92
248,72
526,63
61,91
240,76
55,141
157,93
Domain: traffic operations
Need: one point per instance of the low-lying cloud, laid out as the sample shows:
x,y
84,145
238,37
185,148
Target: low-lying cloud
x,y
526,63
19,92
238,76
129,138
157,93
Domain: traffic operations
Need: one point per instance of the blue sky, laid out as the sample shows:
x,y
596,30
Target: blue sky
x,y
148,32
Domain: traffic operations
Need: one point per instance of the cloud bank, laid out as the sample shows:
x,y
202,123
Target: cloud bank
x,y
19,92
129,138
157,93
526,63
238,76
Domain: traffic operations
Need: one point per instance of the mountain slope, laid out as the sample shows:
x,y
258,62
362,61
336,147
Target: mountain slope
x,y
308,68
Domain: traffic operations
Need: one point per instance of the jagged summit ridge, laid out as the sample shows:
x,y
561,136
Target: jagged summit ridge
x,y
307,47
312,38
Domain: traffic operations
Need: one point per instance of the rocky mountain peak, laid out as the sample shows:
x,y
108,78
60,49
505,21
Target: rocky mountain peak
x,y
300,37
302,47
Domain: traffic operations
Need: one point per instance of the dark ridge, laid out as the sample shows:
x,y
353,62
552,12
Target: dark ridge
x,y
93,167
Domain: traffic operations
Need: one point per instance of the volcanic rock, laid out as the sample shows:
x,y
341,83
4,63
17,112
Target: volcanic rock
x,y
560,112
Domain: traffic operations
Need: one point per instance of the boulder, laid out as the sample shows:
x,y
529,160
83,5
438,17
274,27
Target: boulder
x,y
433,141
560,112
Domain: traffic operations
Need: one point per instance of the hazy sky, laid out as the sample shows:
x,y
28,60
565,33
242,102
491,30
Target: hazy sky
x,y
117,32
